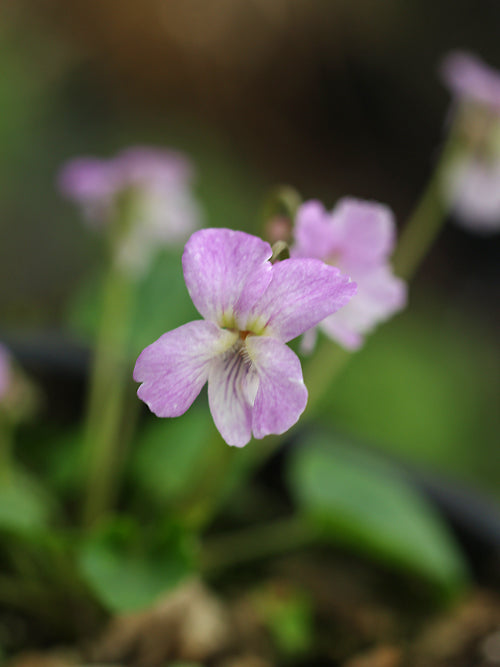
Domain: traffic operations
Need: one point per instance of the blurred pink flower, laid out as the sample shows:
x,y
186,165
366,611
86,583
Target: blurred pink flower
x,y
251,309
163,208
471,182
468,77
357,237
472,188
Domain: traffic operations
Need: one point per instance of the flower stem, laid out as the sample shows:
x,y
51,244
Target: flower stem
x,y
427,219
256,542
110,377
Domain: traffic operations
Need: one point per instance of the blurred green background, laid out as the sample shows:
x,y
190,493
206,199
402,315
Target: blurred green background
x,y
333,97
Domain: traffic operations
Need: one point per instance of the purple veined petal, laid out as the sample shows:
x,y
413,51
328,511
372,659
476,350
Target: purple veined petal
x,y
301,294
281,395
174,368
315,236
226,272
232,383
367,230
380,295
467,76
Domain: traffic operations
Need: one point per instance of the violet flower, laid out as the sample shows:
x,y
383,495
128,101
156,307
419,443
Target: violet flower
x,y
357,237
251,309
162,207
471,79
471,182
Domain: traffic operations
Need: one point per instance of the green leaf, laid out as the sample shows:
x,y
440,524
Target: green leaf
x,y
363,502
24,504
171,455
130,567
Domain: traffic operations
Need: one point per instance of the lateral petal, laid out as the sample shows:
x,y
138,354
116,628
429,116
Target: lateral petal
x,y
174,368
380,295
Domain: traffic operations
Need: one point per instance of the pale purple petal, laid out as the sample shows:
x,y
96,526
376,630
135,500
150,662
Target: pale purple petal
x,y
315,236
302,293
367,232
231,390
226,272
174,368
143,166
281,395
468,76
380,295
90,182
472,189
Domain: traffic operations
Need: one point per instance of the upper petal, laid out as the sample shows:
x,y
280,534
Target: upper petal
x,y
315,236
281,395
231,390
225,273
367,230
174,368
302,293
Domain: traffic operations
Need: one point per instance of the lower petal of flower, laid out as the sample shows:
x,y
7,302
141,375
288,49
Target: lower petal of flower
x,y
231,390
281,395
174,368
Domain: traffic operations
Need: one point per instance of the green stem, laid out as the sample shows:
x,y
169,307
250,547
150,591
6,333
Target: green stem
x,y
108,387
426,221
6,446
256,542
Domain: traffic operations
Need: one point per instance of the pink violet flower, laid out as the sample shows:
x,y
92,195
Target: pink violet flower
x,y
164,208
251,309
471,79
471,183
357,237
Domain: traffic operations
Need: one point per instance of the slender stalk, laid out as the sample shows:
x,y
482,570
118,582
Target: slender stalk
x,y
6,446
108,388
426,221
256,542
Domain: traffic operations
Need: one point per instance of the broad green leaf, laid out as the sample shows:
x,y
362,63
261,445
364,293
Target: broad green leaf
x,y
129,567
171,455
24,504
365,503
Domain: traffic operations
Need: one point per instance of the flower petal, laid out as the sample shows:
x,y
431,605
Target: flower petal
x,y
471,188
302,293
380,295
281,395
231,390
367,230
174,368
226,272
468,76
315,236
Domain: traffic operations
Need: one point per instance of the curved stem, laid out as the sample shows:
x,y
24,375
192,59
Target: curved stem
x,y
428,217
108,388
